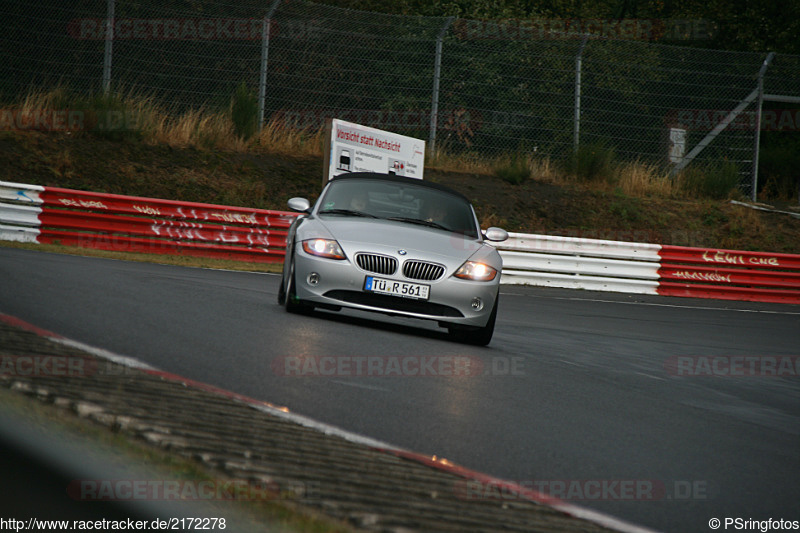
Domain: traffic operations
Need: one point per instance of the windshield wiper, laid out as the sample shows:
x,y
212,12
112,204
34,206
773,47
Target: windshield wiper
x,y
421,222
347,212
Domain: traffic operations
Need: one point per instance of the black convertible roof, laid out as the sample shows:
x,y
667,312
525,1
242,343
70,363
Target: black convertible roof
x,y
398,179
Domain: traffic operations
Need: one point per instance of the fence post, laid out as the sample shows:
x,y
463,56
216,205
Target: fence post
x,y
109,44
437,70
262,84
757,140
578,69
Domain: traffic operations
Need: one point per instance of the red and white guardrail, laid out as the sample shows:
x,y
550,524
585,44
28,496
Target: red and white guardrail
x,y
47,215
644,268
30,213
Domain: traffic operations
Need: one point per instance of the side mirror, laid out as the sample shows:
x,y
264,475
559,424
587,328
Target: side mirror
x,y
495,234
299,204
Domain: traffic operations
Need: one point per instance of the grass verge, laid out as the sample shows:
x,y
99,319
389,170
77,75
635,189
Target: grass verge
x,y
163,259
132,116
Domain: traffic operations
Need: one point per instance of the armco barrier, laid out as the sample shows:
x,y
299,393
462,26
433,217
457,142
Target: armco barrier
x,y
644,268
30,213
729,274
574,263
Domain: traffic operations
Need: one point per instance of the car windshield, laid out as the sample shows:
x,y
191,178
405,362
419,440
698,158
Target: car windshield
x,y
404,202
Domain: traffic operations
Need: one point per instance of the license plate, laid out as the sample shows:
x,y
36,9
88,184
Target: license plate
x,y
396,288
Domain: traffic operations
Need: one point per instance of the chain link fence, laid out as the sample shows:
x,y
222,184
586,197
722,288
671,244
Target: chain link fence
x,y
480,87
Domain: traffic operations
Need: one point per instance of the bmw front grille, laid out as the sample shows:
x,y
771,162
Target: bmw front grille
x,y
377,264
422,270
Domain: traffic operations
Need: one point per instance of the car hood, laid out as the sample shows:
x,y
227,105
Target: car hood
x,y
388,237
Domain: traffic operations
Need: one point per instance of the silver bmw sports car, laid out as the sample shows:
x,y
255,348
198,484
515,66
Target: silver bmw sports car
x,y
394,245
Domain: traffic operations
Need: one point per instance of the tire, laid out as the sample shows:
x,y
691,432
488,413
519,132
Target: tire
x,y
281,293
290,300
480,336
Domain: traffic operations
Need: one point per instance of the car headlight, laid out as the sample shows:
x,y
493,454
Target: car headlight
x,y
475,271
323,248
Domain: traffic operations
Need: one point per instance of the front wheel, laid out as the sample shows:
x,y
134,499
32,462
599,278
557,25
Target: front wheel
x,y
281,293
288,296
480,336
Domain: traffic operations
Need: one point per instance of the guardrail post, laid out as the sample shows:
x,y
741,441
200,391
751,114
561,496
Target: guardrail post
x,y
437,70
109,45
262,84
757,140
578,69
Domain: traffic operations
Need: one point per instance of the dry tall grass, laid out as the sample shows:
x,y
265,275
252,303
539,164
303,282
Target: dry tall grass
x,y
214,129
275,136
541,168
640,179
470,162
198,128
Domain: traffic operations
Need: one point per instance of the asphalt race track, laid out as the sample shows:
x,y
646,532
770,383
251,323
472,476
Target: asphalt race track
x,y
582,393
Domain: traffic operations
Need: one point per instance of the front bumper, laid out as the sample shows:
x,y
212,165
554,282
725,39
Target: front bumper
x,y
341,283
